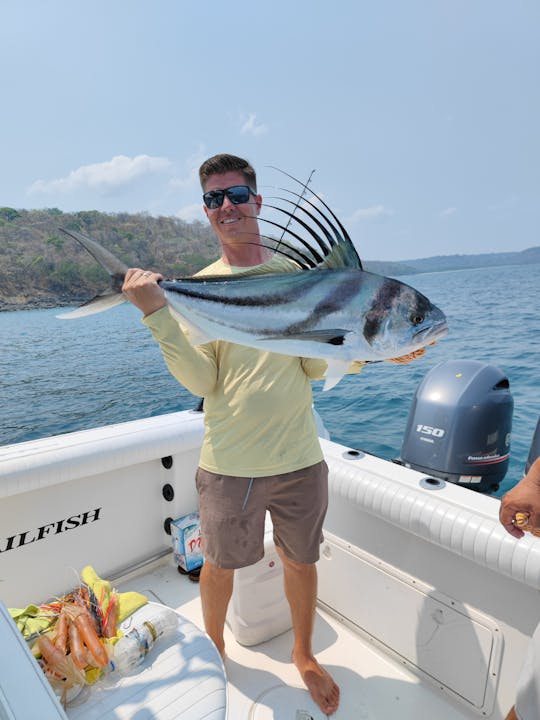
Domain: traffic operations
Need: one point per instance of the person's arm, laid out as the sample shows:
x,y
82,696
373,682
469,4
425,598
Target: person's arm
x,y
194,367
523,498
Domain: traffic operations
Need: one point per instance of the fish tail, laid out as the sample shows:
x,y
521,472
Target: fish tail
x,y
116,269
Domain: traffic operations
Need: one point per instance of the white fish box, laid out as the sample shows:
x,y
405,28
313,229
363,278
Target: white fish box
x,y
258,609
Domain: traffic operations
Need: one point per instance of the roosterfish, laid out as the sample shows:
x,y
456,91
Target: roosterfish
x,y
330,308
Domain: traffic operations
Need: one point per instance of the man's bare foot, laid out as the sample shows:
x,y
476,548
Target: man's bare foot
x,y
320,684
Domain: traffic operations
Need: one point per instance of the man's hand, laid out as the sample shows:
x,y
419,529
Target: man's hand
x,y
404,359
523,498
141,288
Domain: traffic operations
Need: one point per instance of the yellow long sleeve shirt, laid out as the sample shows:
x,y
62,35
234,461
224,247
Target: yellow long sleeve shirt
x,y
258,405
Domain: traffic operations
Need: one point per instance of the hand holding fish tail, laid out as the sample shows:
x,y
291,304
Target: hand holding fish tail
x,y
142,289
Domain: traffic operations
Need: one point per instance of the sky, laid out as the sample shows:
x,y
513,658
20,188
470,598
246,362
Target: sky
x,y
421,119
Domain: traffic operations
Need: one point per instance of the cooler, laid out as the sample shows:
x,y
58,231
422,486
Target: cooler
x,y
258,609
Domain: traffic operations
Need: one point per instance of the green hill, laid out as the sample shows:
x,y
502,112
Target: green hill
x,y
42,267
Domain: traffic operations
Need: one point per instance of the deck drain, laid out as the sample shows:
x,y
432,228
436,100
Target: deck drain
x,y
285,702
430,483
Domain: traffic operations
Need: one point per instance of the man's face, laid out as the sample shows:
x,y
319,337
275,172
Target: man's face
x,y
234,224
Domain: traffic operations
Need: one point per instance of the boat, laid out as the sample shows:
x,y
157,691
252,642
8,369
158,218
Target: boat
x,y
425,603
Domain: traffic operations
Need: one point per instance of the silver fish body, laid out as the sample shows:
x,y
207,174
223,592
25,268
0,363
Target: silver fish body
x,y
336,315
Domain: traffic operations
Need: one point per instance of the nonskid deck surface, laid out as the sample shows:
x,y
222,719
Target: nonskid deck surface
x,y
263,684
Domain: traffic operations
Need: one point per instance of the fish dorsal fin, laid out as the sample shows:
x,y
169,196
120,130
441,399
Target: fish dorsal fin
x,y
343,255
316,239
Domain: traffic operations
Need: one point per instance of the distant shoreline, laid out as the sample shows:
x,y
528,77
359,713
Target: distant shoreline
x,y
35,304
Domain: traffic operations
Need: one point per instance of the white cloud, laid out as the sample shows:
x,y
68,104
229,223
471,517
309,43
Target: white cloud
x,y
448,211
105,176
370,213
250,126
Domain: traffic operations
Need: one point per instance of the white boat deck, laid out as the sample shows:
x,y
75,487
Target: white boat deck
x,y
263,684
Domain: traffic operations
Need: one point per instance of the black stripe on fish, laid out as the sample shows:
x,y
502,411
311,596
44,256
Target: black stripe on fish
x,y
336,299
240,301
305,330
298,331
332,336
388,293
382,302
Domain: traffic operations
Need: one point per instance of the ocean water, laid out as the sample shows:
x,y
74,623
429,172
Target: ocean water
x,y
59,376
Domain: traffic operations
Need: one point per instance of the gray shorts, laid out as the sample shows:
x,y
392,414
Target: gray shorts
x,y
233,510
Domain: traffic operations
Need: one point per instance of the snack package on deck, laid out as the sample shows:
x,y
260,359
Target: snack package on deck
x,y
186,541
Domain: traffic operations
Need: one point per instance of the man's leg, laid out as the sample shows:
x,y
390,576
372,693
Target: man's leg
x,y
300,581
232,536
216,585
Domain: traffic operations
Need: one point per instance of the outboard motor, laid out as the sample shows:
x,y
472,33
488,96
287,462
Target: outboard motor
x,y
534,452
460,424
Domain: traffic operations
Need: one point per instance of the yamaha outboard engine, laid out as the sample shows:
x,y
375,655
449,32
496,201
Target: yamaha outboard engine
x,y
460,424
534,452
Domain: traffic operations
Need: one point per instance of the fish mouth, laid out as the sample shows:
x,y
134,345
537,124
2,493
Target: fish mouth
x,y
431,333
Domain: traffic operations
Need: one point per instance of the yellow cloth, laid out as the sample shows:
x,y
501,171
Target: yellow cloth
x,y
128,602
34,620
258,405
31,620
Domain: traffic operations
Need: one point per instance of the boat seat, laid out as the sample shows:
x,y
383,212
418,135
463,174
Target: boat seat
x,y
182,677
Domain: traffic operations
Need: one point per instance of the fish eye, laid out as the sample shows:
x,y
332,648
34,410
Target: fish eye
x,y
417,319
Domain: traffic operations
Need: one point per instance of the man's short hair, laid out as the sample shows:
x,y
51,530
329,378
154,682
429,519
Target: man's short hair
x,y
219,164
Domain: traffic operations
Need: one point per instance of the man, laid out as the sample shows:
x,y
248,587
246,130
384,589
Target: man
x,y
260,449
525,498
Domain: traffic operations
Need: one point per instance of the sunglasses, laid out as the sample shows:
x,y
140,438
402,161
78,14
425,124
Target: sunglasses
x,y
237,194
